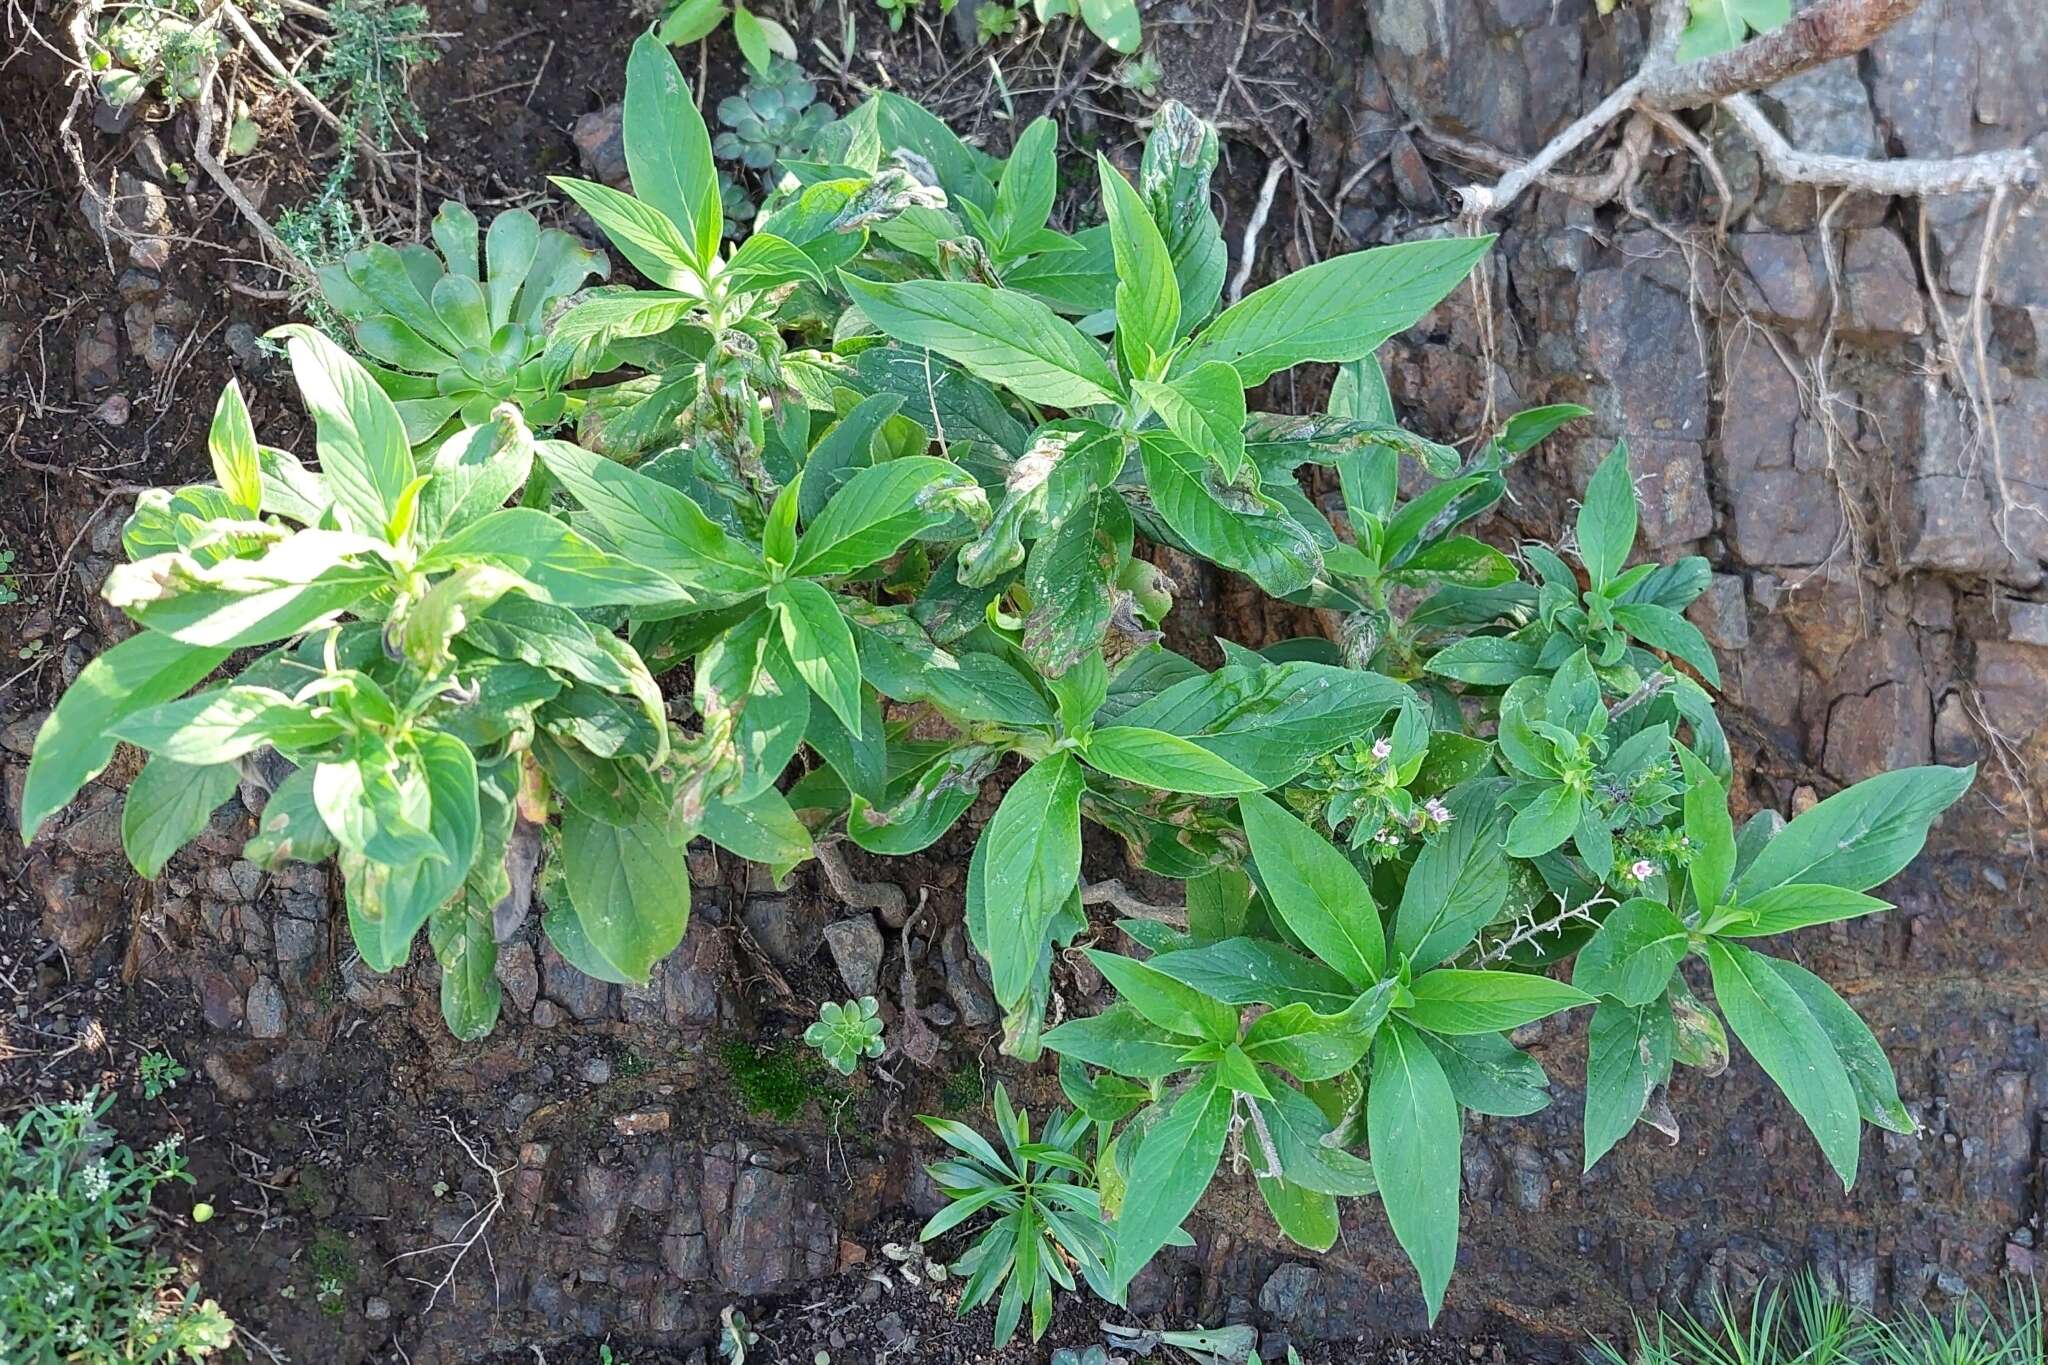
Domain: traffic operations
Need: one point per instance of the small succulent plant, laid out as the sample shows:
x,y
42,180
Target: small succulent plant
x,y
846,1032
739,209
775,117
461,334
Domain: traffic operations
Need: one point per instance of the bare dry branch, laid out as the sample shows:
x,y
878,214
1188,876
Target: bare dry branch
x,y
202,152
1830,29
1910,177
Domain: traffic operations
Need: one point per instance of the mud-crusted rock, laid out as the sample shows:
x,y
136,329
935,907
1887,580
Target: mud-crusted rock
x,y
1778,280
1637,337
683,989
786,927
96,360
518,973
1784,509
601,146
265,1009
856,946
582,996
1880,288
1330,1303
1722,612
964,981
1671,489
762,1227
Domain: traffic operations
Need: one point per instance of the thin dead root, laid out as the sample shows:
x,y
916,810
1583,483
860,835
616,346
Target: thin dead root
x,y
471,1234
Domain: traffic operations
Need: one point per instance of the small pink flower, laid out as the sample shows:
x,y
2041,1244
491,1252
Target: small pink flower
x,y
1437,811
1382,749
1642,869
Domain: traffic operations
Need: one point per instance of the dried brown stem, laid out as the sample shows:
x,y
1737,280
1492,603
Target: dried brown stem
x,y
1113,894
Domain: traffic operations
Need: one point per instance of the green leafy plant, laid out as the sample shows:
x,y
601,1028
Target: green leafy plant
x,y
1117,23
170,46
993,20
1716,25
774,117
774,1081
1812,1324
461,333
160,1073
896,11
872,486
363,74
426,674
81,1284
761,40
1048,1217
847,1032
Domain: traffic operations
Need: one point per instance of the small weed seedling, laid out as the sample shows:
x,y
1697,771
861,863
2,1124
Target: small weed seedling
x,y
161,1073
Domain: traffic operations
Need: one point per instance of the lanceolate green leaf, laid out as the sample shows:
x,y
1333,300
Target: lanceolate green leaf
x,y
1272,723
389,902
364,457
1147,294
762,829
1002,336
1607,519
1247,971
1153,758
1166,1002
1490,1075
232,443
629,890
1317,891
1628,1054
1031,859
1859,837
1457,885
1795,906
1205,409
878,509
1870,1071
1234,526
1775,1023
1340,309
168,805
1415,1136
1174,1164
221,725
668,150
1632,956
1071,575
1121,1040
820,644
1454,1001
653,524
77,739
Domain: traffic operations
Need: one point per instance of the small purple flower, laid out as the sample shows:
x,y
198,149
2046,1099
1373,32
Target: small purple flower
x,y
1642,869
1382,749
1437,811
